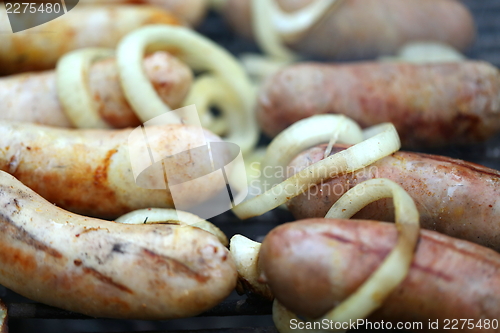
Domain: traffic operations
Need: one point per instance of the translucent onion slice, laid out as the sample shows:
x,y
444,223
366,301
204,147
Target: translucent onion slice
x,y
245,253
292,26
195,50
209,90
171,216
3,318
426,52
385,141
304,134
73,87
393,269
273,27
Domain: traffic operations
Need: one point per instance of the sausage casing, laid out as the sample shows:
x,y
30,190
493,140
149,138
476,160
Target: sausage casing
x,y
107,269
369,28
89,172
33,97
40,47
430,104
455,197
312,265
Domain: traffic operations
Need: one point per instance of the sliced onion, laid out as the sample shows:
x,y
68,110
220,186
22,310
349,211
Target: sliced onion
x,y
273,27
393,270
292,26
198,52
426,52
245,253
304,134
260,67
385,141
209,90
171,216
73,87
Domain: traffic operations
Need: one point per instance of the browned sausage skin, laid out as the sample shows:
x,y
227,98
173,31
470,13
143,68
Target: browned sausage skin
x,y
312,265
455,197
83,26
430,104
33,97
368,28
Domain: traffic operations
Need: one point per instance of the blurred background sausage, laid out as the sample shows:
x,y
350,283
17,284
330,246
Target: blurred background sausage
x,y
369,28
431,105
33,97
40,47
190,11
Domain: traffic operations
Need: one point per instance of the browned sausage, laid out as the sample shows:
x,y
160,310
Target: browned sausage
x,y
312,265
40,47
455,197
430,104
89,172
367,28
191,11
33,97
106,269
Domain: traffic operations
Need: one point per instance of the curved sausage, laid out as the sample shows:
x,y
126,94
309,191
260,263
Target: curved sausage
x,y
107,269
369,28
313,265
430,104
454,197
89,172
192,11
33,97
83,26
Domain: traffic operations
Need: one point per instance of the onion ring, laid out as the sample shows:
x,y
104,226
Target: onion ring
x,y
393,270
299,137
73,88
210,90
384,141
273,27
171,216
198,52
245,253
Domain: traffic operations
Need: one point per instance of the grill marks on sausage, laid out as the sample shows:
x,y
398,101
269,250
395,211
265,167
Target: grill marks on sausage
x,y
8,226
106,279
101,172
174,265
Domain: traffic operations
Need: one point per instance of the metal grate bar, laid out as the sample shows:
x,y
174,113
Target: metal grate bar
x,y
244,307
218,330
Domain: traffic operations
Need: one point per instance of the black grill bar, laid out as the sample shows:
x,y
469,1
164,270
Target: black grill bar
x,y
244,307
218,330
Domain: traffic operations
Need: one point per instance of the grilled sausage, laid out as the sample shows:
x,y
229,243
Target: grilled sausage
x,y
192,11
33,97
106,269
454,197
368,28
430,104
313,265
40,47
90,171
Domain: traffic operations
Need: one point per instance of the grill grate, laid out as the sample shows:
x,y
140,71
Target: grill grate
x,y
242,311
